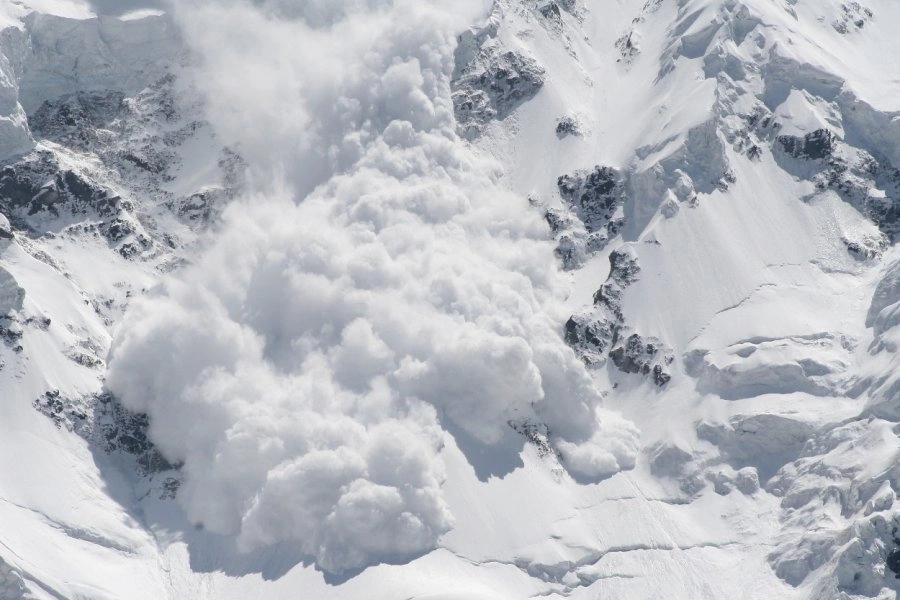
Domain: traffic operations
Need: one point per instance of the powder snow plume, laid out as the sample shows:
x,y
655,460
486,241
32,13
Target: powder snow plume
x,y
375,288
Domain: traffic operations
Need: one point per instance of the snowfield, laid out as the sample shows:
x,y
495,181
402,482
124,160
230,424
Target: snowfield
x,y
484,300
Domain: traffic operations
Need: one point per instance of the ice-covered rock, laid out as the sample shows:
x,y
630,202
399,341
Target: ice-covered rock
x,y
594,196
12,584
816,145
601,331
592,333
886,293
698,165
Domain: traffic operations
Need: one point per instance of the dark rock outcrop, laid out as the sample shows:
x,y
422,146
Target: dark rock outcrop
x,y
816,145
106,424
590,216
83,120
853,17
645,356
866,180
567,126
601,331
492,86
594,196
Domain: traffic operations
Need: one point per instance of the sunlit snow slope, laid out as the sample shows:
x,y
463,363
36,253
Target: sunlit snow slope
x,y
450,300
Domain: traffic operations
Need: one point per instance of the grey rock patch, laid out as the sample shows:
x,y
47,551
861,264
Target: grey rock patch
x,y
591,214
492,85
600,332
853,17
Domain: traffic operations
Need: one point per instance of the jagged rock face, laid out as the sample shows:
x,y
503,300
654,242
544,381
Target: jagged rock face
x,y
594,196
590,337
816,145
102,421
139,141
623,271
591,215
644,356
602,332
492,83
79,120
25,194
11,299
871,185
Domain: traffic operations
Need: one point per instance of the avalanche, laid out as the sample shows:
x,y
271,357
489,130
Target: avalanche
x,y
494,300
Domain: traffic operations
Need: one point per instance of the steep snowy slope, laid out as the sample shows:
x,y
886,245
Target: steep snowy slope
x,y
101,189
756,188
556,298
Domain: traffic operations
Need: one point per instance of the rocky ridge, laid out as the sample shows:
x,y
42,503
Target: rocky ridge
x,y
106,176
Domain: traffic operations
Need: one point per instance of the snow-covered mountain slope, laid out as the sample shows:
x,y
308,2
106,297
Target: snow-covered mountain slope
x,y
557,298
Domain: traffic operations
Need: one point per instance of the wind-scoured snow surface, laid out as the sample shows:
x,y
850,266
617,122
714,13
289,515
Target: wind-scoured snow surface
x,y
303,367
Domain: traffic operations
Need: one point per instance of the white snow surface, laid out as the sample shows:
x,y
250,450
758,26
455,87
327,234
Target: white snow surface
x,y
358,372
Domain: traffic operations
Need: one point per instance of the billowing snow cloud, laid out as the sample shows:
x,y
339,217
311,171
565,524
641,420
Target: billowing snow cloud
x,y
376,285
